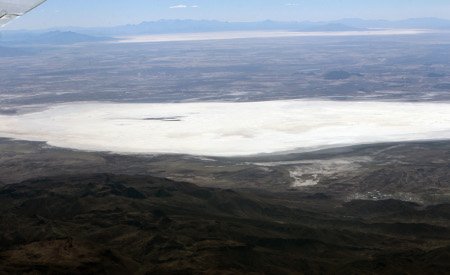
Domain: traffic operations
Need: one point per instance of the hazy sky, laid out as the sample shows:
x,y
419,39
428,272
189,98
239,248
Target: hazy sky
x,y
88,13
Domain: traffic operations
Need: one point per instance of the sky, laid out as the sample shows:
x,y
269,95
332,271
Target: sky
x,y
95,13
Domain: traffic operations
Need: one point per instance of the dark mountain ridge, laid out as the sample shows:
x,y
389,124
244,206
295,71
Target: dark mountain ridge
x,y
140,224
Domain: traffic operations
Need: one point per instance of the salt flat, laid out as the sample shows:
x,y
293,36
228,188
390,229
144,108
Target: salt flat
x,y
228,129
259,34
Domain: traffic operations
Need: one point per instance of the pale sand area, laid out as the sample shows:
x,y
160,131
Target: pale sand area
x,y
258,34
228,129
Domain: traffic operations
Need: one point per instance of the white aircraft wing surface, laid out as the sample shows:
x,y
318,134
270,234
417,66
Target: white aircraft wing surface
x,y
10,9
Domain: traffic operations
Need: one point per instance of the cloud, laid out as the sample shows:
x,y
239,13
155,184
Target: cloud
x,y
181,6
178,7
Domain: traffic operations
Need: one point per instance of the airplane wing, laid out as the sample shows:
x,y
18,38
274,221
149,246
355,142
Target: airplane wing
x,y
10,9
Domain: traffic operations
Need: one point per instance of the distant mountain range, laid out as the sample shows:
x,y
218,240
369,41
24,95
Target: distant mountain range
x,y
196,26
189,26
413,23
71,35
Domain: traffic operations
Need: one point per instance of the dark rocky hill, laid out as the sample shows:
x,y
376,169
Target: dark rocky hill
x,y
112,224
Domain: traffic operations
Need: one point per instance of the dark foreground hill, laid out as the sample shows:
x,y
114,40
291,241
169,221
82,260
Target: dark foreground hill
x,y
113,224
